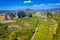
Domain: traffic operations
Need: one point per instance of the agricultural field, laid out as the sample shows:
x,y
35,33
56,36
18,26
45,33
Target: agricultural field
x,y
2,18
45,30
25,29
57,35
49,29
22,29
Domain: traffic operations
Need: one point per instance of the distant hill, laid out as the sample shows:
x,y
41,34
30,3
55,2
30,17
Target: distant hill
x,y
32,10
6,11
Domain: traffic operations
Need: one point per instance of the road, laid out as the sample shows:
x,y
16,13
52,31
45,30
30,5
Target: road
x,y
37,25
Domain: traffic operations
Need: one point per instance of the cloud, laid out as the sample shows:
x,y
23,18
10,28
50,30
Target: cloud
x,y
50,4
42,5
14,8
57,3
39,5
35,6
29,1
46,6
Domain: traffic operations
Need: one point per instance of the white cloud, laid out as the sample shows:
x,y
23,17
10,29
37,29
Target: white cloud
x,y
57,3
29,1
36,5
42,5
54,4
50,4
39,5
46,6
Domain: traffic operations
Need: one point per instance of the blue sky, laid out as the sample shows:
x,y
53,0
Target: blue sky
x,y
33,4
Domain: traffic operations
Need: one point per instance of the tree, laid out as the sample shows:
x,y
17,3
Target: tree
x,y
49,15
21,14
30,15
12,15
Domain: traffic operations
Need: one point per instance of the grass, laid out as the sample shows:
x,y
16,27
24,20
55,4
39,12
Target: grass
x,y
57,35
24,31
2,18
27,28
45,30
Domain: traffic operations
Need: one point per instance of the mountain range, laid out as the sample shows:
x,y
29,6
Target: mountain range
x,y
6,11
